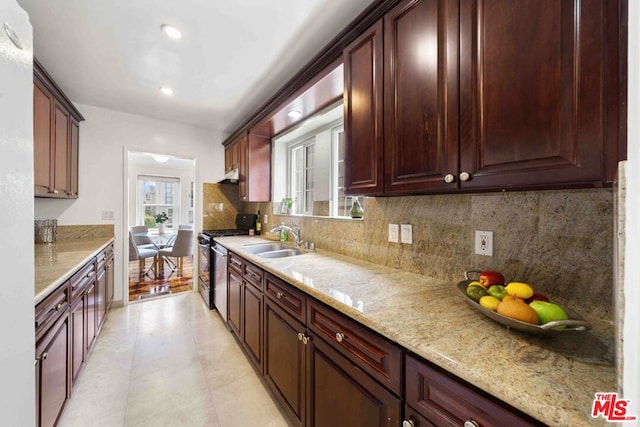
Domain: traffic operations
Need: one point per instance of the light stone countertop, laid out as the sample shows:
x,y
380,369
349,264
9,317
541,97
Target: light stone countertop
x,y
56,262
553,379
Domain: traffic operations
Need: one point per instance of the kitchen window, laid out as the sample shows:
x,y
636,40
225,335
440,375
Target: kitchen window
x,y
157,194
301,177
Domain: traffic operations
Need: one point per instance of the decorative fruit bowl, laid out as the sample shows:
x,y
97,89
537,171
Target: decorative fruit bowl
x,y
575,322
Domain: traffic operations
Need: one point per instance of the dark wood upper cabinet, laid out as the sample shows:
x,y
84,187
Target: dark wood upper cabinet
x,y
251,154
487,95
421,91
363,113
55,140
535,91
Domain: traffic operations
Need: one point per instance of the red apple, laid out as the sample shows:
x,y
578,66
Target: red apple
x,y
537,297
489,277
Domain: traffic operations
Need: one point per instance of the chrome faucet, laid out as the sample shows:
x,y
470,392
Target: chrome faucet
x,y
294,229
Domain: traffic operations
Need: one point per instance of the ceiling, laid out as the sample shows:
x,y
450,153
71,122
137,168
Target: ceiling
x,y
233,55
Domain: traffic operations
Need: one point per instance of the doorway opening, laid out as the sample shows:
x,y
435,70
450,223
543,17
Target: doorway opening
x,y
161,200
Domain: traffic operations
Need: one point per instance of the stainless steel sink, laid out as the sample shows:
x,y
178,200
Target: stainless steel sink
x,y
282,253
257,248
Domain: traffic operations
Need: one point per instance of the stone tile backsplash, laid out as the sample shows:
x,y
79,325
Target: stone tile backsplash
x,y
560,241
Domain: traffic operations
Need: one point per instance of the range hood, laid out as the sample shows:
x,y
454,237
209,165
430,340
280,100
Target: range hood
x,y
231,177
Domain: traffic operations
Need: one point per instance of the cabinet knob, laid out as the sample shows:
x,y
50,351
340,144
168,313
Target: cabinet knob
x,y
305,340
279,295
339,336
449,178
300,336
44,356
408,423
471,423
58,307
464,176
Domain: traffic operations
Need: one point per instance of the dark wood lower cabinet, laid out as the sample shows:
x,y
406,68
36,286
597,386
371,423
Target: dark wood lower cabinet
x,y
341,394
52,372
252,333
101,296
234,298
285,361
78,336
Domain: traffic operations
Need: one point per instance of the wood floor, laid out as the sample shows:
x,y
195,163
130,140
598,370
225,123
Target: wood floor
x,y
165,283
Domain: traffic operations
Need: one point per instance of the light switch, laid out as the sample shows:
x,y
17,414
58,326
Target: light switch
x,y
393,233
406,233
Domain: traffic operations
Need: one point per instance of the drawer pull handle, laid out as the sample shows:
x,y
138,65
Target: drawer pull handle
x,y
279,295
58,307
89,274
339,336
408,423
44,356
300,336
471,423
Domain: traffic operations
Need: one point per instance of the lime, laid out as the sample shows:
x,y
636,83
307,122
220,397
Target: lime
x,y
475,292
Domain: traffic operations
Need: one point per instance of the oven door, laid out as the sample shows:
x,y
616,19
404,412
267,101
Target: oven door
x,y
204,275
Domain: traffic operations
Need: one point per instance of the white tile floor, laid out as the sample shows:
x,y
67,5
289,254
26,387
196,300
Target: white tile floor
x,y
169,362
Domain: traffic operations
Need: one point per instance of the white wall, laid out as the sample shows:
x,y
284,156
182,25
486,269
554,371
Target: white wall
x,y
105,138
17,352
631,381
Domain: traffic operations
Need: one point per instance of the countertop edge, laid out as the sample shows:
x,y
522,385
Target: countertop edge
x,y
46,291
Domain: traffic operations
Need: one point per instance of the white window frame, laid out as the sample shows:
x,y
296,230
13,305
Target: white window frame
x,y
141,202
300,202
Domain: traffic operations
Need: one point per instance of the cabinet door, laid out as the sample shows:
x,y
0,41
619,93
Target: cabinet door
x,y
42,133
234,294
284,361
101,297
73,158
78,345
257,169
60,150
228,158
341,394
534,78
363,113
91,315
241,146
53,375
252,324
421,95
110,282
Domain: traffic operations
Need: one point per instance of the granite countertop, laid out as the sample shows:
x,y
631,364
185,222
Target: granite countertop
x,y
56,262
553,379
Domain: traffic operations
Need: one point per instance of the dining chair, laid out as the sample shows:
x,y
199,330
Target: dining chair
x,y
141,254
183,246
185,227
141,238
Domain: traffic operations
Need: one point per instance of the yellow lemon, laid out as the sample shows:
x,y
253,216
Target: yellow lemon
x,y
519,289
489,302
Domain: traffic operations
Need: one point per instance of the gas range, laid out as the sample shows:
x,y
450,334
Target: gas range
x,y
244,222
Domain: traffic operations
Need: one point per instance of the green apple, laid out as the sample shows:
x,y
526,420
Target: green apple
x,y
548,311
497,291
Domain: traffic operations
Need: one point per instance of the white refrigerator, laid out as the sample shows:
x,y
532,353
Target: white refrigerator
x,y
17,353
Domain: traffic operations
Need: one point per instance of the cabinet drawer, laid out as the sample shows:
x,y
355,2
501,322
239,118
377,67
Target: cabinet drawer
x,y
444,400
235,262
287,297
50,309
104,256
375,355
254,275
79,281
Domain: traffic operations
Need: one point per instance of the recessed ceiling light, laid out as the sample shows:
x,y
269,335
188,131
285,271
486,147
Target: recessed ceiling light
x,y
166,90
295,114
160,158
171,31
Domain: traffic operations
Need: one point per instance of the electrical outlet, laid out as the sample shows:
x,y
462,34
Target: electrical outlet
x,y
265,218
107,215
406,233
393,233
484,243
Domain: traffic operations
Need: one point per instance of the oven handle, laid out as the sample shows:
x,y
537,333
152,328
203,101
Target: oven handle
x,y
216,250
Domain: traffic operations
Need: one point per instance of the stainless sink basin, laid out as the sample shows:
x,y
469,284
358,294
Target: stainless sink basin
x,y
281,253
257,248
